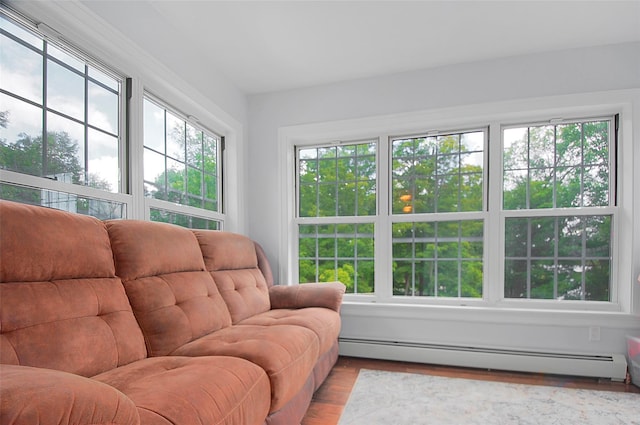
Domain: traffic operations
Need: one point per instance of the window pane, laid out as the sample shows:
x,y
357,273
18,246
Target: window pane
x,y
153,126
21,33
99,208
558,257
438,174
65,91
21,70
103,78
210,154
64,150
472,142
194,182
441,259
542,279
366,197
176,137
559,166
103,161
184,220
569,146
211,187
192,169
194,147
103,108
154,167
337,181
346,199
65,57
337,252
20,136
596,142
175,180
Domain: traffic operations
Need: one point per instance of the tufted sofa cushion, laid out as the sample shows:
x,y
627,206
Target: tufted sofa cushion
x,y
49,397
206,390
233,263
173,297
78,318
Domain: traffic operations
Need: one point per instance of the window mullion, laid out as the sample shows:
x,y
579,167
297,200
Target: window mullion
x,y
493,254
382,229
44,108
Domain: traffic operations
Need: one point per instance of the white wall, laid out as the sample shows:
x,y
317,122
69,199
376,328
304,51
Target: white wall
x,y
606,68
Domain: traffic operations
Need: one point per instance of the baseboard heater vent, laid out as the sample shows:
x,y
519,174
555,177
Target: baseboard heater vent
x,y
610,366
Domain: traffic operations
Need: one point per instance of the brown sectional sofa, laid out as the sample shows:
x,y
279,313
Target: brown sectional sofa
x,y
134,322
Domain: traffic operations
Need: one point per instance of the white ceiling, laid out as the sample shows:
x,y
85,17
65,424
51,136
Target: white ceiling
x,y
266,46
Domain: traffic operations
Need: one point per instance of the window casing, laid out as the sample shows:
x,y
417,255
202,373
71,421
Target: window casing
x,y
447,230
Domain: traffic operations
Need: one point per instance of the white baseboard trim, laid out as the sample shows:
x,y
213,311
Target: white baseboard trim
x,y
609,366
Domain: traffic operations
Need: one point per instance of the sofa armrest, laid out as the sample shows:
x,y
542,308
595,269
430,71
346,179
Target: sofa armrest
x,y
30,395
327,295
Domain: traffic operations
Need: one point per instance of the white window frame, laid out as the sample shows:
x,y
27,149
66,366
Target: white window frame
x,y
624,298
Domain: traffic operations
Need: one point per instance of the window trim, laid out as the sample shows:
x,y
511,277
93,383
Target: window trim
x,y
496,115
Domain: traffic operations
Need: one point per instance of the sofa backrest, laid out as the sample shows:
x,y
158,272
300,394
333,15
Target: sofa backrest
x,y
173,297
232,260
61,305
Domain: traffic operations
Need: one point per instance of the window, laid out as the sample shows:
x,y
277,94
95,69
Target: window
x,y
60,120
71,137
449,229
435,256
336,203
563,173
181,166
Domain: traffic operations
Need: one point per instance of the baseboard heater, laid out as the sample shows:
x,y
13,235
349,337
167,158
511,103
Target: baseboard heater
x,y
610,366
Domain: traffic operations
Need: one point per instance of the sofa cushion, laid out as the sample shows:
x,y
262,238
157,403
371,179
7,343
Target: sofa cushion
x,y
32,395
40,244
233,263
145,248
194,391
287,353
172,295
83,326
71,318
324,322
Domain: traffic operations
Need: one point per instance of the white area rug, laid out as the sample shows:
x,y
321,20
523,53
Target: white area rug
x,y
392,398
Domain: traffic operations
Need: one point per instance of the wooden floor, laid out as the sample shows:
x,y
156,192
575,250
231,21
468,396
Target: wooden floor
x,y
330,399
